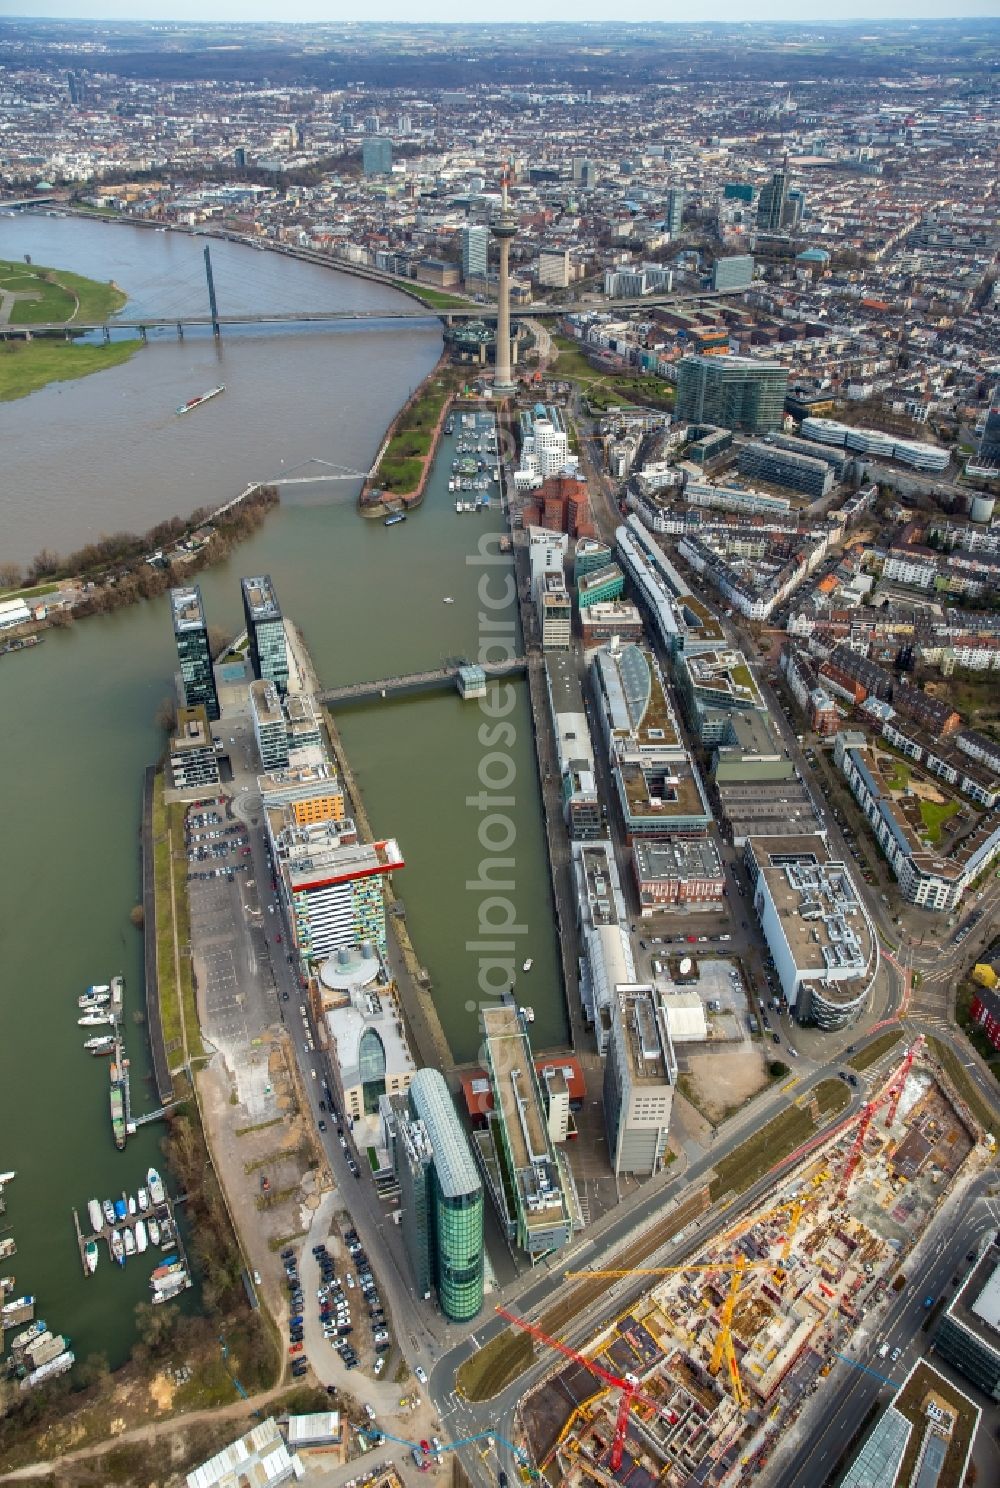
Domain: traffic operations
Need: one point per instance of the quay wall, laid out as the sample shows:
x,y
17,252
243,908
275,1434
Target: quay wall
x,y
372,501
154,1024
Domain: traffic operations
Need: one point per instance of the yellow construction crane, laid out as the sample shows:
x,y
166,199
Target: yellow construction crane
x,y
723,1349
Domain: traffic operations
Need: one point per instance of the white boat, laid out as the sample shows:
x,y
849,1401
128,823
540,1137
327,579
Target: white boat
x,y
153,1226
140,1235
133,1207
447,599
109,1212
128,1240
143,1197
527,965
104,1044
93,999
117,1248
6,1177
155,1186
96,1217
90,1256
99,987
95,1020
528,1014
458,506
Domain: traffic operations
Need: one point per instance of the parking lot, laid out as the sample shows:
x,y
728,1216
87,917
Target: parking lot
x,y
231,960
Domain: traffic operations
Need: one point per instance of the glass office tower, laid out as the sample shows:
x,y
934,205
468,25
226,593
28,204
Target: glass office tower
x,y
732,392
193,653
266,630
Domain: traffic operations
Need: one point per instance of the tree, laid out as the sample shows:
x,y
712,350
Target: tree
x,y
776,1069
93,1371
166,715
137,915
10,575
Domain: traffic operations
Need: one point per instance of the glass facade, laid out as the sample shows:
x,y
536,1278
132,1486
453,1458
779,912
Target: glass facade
x,y
193,654
459,1247
265,631
371,1066
732,392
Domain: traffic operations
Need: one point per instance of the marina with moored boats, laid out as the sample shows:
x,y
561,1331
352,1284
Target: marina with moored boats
x,y
132,1224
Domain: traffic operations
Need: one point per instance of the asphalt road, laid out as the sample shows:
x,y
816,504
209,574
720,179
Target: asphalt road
x,y
850,1390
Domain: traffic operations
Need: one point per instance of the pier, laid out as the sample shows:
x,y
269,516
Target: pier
x,y
438,677
171,1241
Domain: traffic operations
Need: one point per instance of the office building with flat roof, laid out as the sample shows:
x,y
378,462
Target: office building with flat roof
x,y
968,1336
732,392
533,1194
640,1072
441,1196
376,156
735,271
331,883
193,652
266,631
194,760
824,947
783,467
574,750
679,872
307,793
269,727
475,244
606,957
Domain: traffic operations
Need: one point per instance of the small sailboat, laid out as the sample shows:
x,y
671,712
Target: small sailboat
x,y
95,1215
527,965
129,1240
155,1186
140,1235
153,1226
117,1248
91,1256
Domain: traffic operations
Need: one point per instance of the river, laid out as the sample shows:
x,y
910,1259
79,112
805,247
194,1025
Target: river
x,y
76,722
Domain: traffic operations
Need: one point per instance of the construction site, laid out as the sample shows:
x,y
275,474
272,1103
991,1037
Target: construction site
x,y
698,1379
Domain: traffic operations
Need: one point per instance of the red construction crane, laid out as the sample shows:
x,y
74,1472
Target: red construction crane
x,y
891,1092
627,1384
854,1156
899,1080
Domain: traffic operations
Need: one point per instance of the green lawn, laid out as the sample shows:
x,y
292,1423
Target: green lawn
x,y
27,366
61,295
607,389
754,1157
437,299
873,1053
898,778
935,814
35,592
832,1097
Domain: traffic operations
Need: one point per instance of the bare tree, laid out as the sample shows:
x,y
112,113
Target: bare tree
x,y
10,575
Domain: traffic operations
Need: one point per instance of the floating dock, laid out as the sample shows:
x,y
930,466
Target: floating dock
x,y
170,1235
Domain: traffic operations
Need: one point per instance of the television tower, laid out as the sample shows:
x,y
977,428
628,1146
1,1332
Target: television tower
x,y
504,228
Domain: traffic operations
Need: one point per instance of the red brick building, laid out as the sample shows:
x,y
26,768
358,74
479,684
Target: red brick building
x,y
561,504
985,1010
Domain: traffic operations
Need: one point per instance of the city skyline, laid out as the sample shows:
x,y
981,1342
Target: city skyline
x,y
446,12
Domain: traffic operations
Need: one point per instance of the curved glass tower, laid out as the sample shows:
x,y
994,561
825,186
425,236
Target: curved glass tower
x,y
444,1196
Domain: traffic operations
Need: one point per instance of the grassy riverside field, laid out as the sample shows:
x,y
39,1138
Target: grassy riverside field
x,y
30,295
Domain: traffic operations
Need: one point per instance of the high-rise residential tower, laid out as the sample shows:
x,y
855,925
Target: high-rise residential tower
x,y
193,652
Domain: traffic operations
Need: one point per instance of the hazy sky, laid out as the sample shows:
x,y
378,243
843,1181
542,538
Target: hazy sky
x,y
513,10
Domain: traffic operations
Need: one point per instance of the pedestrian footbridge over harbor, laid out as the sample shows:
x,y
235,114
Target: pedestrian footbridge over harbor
x,y
449,673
